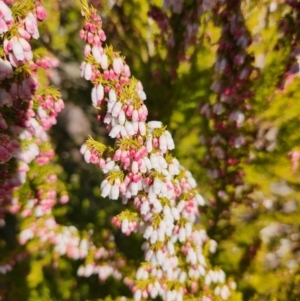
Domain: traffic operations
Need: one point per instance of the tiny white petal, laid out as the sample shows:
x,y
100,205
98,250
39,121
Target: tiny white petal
x,y
155,124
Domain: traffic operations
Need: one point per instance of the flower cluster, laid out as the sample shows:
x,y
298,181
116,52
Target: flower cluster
x,y
29,187
67,241
20,130
231,112
27,111
141,170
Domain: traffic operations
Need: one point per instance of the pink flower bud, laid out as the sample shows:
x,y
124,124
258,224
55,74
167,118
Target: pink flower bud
x,y
129,110
24,34
28,55
64,199
41,13
143,112
5,12
135,115
87,50
123,188
3,26
135,125
13,60
102,35
126,71
31,27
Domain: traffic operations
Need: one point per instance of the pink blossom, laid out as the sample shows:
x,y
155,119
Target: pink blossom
x,y
5,12
31,27
41,12
17,49
3,26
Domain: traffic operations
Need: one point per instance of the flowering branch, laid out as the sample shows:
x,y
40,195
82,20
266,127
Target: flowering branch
x,y
231,131
29,186
141,170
